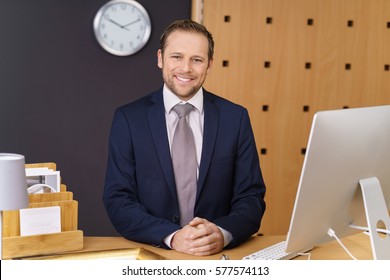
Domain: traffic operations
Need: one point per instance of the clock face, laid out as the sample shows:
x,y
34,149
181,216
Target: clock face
x,y
122,27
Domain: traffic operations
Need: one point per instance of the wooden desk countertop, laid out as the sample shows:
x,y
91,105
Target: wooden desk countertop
x,y
359,245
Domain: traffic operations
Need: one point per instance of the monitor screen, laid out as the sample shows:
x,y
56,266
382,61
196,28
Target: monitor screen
x,y
344,147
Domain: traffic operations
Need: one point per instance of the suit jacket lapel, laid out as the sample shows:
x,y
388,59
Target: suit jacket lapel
x,y
156,116
211,120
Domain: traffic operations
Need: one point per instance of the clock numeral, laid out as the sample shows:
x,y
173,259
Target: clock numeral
x,y
123,6
113,9
141,27
131,44
121,46
112,43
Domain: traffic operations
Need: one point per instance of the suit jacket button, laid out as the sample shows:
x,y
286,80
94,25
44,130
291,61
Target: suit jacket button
x,y
175,218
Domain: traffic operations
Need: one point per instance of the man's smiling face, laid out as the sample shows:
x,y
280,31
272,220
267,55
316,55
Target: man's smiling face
x,y
185,63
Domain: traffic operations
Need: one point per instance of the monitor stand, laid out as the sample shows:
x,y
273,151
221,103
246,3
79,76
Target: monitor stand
x,y
376,211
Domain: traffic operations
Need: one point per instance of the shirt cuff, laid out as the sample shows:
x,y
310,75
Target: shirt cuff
x,y
227,237
167,240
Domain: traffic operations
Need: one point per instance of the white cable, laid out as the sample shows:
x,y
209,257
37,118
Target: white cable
x,y
305,254
332,233
385,231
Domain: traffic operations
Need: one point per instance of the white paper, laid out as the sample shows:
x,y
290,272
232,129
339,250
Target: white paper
x,y
44,175
37,171
43,220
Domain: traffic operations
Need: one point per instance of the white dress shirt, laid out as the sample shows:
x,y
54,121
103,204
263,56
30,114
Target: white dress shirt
x,y
196,120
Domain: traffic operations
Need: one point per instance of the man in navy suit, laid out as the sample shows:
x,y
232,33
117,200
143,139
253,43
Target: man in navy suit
x,y
140,195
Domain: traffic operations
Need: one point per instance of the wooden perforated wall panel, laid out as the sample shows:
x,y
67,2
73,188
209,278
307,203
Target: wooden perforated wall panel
x,y
284,60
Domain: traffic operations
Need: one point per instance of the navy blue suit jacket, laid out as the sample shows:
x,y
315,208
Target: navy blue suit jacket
x,y
140,193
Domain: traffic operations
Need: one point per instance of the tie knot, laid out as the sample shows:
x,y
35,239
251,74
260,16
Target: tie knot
x,y
183,110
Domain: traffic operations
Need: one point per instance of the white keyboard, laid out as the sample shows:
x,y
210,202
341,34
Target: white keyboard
x,y
273,252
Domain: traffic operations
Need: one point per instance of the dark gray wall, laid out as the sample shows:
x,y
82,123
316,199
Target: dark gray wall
x,y
59,89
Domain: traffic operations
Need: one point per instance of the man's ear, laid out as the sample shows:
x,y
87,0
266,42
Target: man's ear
x,y
210,65
159,58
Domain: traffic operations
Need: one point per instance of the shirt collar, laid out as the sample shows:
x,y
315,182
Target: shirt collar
x,y
170,100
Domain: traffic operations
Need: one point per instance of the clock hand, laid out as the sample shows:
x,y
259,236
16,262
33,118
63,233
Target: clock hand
x,y
114,22
130,23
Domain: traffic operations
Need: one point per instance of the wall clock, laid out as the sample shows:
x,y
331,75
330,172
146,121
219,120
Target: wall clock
x,y
122,27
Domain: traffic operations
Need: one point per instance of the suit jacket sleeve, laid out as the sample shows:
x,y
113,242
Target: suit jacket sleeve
x,y
121,196
247,203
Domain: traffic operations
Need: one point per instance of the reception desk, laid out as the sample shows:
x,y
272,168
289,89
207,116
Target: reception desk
x,y
359,245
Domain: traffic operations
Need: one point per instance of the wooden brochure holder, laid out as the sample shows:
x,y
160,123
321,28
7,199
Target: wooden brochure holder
x,y
69,239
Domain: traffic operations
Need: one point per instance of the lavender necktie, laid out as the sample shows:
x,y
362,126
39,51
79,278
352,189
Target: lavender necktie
x,y
184,164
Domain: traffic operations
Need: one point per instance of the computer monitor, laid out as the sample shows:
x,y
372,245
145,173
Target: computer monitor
x,y
344,147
